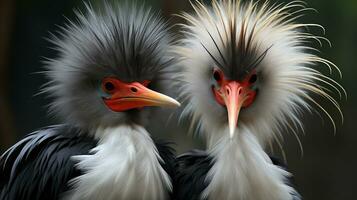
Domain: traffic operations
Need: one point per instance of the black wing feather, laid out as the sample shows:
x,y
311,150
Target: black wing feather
x,y
39,166
191,170
167,154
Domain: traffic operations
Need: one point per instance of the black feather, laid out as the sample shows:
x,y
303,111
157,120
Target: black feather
x,y
40,165
167,154
236,56
191,171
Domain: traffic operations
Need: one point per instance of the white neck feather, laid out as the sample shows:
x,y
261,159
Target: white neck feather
x,y
124,165
243,171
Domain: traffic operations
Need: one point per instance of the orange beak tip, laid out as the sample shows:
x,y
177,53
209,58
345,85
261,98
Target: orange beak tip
x,y
231,132
163,100
176,103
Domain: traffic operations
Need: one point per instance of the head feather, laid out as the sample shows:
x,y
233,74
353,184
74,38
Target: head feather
x,y
121,40
239,36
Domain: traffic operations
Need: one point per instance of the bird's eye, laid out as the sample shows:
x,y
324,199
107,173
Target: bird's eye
x,y
217,75
253,78
108,86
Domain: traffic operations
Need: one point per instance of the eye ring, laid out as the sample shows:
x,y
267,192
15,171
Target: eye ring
x,y
133,89
108,86
253,78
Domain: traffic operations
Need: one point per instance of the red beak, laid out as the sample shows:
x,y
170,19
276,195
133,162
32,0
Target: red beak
x,y
126,96
234,96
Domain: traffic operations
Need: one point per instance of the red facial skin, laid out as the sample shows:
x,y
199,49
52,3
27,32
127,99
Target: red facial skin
x,y
234,95
126,96
243,86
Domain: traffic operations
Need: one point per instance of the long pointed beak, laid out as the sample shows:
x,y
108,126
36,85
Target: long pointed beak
x,y
233,96
136,95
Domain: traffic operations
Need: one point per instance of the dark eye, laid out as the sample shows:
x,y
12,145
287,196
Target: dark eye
x,y
217,75
253,78
108,86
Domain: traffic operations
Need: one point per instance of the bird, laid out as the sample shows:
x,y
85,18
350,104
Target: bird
x,y
103,82
249,71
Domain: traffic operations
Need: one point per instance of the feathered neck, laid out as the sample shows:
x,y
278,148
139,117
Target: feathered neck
x,y
242,170
126,160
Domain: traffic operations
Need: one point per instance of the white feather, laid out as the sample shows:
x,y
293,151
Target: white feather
x,y
125,165
288,69
288,78
243,171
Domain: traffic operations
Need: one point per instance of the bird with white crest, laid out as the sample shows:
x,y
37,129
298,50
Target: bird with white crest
x,y
247,74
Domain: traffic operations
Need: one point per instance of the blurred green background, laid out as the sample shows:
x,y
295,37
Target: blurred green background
x,y
326,171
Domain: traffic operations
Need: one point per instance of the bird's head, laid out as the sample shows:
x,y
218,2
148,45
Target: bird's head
x,y
109,63
248,66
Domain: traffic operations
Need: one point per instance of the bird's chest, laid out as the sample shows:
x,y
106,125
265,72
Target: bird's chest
x,y
243,171
123,166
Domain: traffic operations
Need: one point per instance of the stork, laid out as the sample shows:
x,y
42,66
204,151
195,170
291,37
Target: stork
x,y
248,72
102,80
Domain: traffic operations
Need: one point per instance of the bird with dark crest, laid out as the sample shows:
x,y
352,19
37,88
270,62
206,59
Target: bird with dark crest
x,y
248,73
102,84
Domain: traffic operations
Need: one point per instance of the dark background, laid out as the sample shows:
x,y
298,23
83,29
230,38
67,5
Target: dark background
x,y
327,170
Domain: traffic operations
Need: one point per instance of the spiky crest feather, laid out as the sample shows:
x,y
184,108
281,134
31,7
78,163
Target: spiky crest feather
x,y
274,43
121,40
237,37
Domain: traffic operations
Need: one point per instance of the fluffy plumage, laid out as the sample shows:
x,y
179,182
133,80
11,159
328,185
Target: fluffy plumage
x,y
119,40
40,165
98,153
127,160
238,37
273,43
194,166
